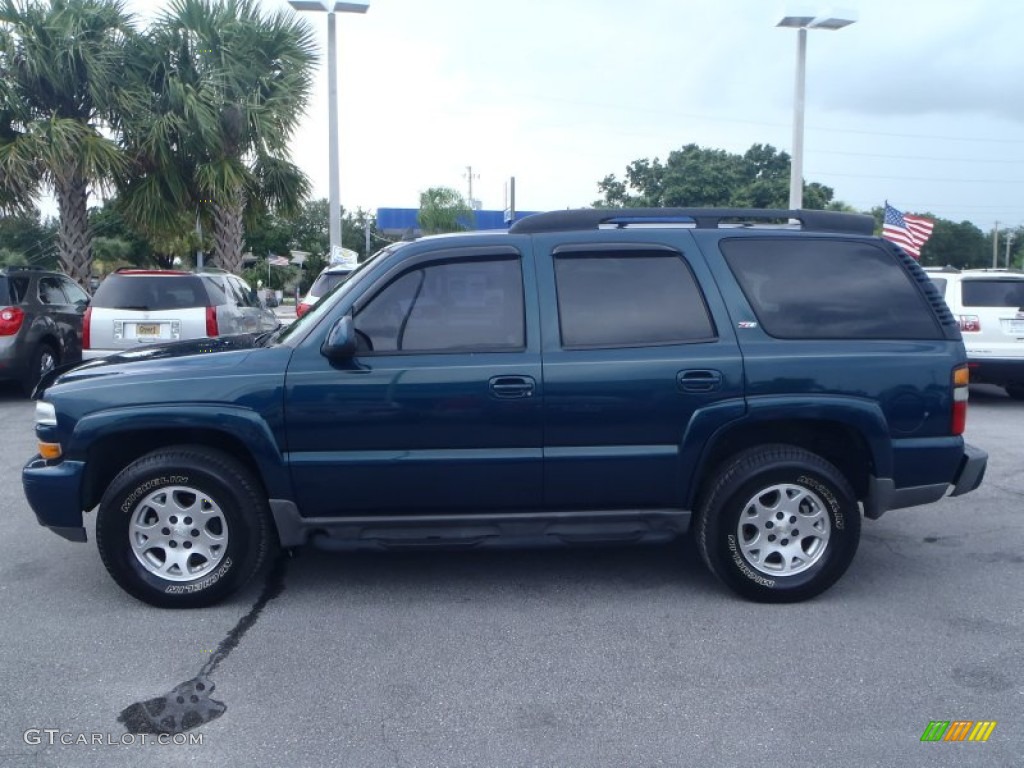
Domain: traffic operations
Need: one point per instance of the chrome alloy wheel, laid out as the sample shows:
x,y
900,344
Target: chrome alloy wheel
x,y
178,533
783,530
47,362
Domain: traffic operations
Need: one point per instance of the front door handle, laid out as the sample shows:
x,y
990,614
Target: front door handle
x,y
699,380
510,387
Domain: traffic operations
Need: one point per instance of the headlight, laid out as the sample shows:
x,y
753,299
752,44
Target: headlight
x,y
46,414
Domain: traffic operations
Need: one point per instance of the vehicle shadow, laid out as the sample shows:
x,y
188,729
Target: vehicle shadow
x,y
530,571
989,394
11,391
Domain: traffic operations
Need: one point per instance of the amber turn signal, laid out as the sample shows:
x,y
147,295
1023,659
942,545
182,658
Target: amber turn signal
x,y
49,450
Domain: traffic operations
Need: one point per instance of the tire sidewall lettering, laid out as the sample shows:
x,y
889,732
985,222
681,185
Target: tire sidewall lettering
x,y
149,486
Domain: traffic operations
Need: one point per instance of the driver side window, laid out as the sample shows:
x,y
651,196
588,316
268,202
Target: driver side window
x,y
448,307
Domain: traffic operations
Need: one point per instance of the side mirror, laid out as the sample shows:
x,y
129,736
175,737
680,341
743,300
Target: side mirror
x,y
341,340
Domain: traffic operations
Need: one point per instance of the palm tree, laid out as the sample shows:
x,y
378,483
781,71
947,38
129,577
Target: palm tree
x,y
227,87
61,87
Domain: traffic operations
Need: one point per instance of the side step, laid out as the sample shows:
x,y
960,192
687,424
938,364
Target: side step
x,y
466,531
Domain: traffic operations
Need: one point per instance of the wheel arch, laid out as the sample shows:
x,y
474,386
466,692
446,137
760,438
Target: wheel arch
x,y
110,441
843,442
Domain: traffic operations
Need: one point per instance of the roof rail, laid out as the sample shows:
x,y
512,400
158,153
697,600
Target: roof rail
x,y
700,218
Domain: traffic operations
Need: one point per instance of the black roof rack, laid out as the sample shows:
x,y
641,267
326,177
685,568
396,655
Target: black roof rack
x,y
701,218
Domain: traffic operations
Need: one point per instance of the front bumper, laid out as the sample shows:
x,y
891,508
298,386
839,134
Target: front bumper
x,y
54,493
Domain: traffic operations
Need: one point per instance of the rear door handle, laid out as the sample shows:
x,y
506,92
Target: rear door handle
x,y
699,380
510,387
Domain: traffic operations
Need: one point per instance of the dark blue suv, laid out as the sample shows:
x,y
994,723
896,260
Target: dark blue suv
x,y
587,377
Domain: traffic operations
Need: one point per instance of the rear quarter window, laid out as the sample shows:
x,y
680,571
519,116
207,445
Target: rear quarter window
x,y
816,288
13,289
151,292
992,292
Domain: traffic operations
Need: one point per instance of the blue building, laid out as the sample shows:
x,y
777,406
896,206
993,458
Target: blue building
x,y
399,222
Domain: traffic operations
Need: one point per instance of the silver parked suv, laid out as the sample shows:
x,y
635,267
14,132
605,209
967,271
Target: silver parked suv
x,y
145,306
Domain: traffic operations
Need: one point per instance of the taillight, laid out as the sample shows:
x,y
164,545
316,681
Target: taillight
x,y
961,377
87,329
970,323
211,321
301,309
11,319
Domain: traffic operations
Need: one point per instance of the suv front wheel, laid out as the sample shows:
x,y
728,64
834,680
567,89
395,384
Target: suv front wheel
x,y
778,524
184,527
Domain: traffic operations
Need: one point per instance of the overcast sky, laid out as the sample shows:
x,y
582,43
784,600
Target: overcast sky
x,y
920,102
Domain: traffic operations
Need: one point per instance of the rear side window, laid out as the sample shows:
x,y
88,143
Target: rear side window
x,y
628,298
813,288
50,291
940,284
151,292
992,292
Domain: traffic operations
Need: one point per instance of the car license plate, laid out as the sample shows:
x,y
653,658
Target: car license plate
x,y
147,329
1015,327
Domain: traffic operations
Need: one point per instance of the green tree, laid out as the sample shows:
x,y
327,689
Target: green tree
x,y
443,209
694,177
227,86
62,86
26,240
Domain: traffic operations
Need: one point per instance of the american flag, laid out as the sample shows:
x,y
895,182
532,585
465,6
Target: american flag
x,y
277,261
908,232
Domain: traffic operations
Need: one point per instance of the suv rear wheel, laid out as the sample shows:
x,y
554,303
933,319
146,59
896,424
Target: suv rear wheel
x,y
183,527
779,524
43,360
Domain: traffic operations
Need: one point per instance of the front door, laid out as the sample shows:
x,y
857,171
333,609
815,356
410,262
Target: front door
x,y
441,407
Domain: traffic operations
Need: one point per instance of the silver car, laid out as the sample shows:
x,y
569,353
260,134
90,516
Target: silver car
x,y
132,307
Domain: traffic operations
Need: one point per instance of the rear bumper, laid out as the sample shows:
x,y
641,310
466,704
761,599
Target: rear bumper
x,y
54,493
971,472
883,494
996,370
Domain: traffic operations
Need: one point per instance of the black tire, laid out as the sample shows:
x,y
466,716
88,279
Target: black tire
x,y
43,358
757,484
1015,391
169,486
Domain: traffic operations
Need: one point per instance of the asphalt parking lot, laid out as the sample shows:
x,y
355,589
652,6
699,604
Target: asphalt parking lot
x,y
599,657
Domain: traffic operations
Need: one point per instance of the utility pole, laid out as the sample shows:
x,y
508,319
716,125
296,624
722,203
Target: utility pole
x,y
995,246
199,248
469,177
1009,240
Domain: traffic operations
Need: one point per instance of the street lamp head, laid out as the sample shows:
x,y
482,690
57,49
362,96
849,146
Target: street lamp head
x,y
807,19
832,23
794,22
325,5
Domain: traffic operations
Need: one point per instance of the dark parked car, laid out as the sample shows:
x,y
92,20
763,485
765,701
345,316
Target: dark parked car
x,y
40,323
586,377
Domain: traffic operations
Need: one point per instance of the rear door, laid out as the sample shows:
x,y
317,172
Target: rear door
x,y
636,341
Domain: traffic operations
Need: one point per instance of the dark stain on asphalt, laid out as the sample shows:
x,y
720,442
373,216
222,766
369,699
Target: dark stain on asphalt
x,y
189,704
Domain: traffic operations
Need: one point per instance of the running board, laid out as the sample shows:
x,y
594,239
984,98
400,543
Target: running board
x,y
472,530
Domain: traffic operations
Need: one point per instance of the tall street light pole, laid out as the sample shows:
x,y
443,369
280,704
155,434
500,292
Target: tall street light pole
x,y
334,203
802,24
